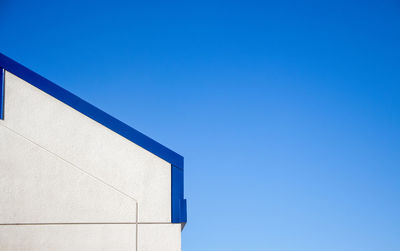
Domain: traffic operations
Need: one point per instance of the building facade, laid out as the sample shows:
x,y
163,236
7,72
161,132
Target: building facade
x,y
74,178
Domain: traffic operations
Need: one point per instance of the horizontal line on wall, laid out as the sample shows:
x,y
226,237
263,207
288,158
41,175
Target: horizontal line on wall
x,y
82,223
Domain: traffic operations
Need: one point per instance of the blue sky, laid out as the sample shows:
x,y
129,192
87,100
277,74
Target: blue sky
x,y
287,112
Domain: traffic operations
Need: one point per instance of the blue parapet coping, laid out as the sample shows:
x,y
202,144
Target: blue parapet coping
x,y
1,93
178,203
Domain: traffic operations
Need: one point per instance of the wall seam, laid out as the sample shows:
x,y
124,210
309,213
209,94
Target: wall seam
x,y
86,173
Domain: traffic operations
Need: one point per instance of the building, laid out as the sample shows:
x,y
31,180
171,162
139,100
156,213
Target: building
x,y
74,178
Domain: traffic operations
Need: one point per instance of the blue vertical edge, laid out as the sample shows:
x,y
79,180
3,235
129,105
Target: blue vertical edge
x,y
1,93
178,203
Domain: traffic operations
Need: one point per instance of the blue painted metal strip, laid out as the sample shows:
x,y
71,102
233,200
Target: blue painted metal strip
x,y
90,111
177,200
1,93
178,203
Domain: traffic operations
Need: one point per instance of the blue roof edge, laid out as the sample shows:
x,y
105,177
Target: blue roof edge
x,y
1,93
178,203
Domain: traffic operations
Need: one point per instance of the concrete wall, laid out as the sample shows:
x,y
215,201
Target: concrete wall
x,y
68,237
85,237
69,183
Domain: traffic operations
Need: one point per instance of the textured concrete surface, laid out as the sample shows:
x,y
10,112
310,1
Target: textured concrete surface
x,y
69,183
162,237
68,238
36,186
99,151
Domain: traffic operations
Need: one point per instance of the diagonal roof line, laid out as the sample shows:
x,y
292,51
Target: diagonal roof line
x,y
91,111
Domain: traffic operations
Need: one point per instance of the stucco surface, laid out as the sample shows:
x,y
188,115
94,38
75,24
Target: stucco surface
x,y
39,187
160,237
90,146
94,237
69,183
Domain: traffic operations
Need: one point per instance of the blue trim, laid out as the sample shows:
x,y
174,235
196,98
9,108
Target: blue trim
x,y
178,203
1,93
177,200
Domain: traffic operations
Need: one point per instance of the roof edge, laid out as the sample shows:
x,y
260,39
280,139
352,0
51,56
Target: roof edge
x,y
178,201
1,93
91,111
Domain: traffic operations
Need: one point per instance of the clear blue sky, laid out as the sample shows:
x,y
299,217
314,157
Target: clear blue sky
x,y
287,112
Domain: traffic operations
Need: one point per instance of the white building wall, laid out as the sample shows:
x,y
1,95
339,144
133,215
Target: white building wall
x,y
68,237
89,146
58,167
162,237
87,237
38,187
